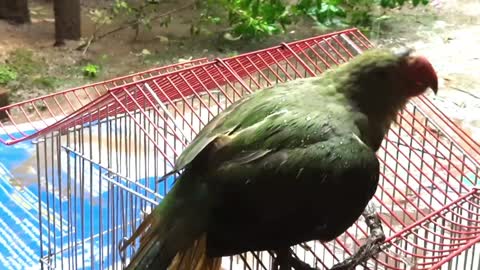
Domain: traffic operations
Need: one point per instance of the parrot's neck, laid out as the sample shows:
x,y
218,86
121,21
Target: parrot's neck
x,y
379,122
379,109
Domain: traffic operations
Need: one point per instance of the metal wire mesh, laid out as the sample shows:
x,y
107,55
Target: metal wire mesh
x,y
97,168
40,113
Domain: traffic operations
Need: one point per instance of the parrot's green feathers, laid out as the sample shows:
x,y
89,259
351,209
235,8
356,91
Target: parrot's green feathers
x,y
302,105
291,163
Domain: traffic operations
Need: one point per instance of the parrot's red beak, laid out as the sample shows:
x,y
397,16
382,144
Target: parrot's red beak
x,y
434,84
423,72
430,73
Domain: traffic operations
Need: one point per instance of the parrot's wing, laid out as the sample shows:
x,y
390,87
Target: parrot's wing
x,y
243,114
326,161
214,130
286,194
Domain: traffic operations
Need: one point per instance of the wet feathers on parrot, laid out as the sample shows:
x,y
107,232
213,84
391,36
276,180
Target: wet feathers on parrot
x,y
291,163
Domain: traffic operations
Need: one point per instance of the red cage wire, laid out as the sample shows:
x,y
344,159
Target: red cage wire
x,y
39,114
427,198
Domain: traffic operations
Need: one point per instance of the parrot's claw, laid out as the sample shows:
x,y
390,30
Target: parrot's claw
x,y
121,247
372,246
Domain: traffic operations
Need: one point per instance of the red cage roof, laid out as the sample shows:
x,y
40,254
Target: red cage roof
x,y
39,114
63,110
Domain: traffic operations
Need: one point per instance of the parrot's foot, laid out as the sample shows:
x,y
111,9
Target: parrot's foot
x,y
371,248
286,260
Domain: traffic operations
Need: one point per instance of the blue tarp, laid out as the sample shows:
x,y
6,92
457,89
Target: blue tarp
x,y
19,238
19,214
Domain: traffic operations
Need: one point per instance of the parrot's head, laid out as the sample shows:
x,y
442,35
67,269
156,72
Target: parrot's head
x,y
418,72
381,81
392,74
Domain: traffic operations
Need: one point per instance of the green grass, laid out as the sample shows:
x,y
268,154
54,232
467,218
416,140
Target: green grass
x,y
7,74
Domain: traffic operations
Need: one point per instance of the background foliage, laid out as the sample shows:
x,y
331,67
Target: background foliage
x,y
249,19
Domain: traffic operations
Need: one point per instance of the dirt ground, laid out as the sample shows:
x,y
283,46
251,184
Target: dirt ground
x,y
449,37
446,31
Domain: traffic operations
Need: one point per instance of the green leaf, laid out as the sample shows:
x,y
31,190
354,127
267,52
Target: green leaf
x,y
90,70
324,8
7,74
333,8
386,3
215,20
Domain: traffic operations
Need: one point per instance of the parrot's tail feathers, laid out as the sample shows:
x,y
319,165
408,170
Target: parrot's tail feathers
x,y
140,230
195,258
151,243
172,228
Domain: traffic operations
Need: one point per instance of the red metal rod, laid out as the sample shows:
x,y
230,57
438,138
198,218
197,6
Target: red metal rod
x,y
426,140
411,226
222,62
456,129
454,254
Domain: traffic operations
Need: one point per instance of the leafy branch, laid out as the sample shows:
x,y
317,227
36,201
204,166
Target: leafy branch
x,y
244,19
259,18
141,17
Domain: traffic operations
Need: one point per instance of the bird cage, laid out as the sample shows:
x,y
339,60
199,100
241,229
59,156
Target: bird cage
x,y
99,158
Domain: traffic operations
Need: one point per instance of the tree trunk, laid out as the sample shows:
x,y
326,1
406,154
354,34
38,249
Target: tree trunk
x,y
4,101
67,20
15,11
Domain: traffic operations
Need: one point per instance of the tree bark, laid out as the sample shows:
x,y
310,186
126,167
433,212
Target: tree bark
x,y
67,21
15,11
4,101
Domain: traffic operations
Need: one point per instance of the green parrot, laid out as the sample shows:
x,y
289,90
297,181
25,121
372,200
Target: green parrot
x,y
288,164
